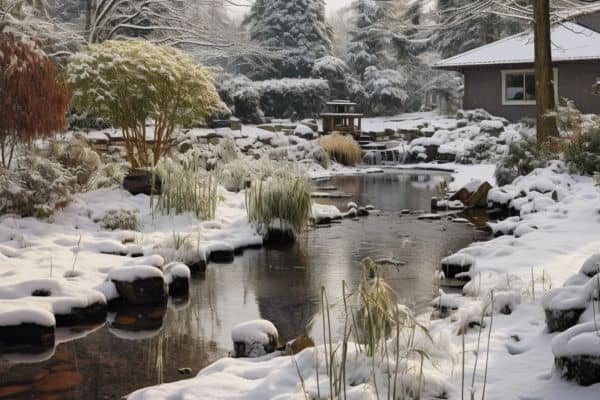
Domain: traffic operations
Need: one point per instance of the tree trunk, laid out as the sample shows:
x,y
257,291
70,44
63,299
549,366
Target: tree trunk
x,y
88,16
544,77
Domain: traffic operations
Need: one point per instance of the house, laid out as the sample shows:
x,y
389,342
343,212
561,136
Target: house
x,y
499,77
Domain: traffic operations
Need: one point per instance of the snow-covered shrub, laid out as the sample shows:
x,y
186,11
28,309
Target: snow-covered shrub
x,y
109,174
78,157
236,175
320,156
384,90
242,97
186,188
33,101
135,82
523,157
334,71
120,220
36,187
293,98
582,150
240,173
227,151
342,149
283,201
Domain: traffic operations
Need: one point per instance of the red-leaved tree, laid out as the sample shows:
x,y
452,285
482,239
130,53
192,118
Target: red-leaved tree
x,y
33,101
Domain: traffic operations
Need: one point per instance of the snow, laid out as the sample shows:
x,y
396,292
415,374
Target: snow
x,y
591,266
57,295
570,42
324,211
13,313
256,331
134,273
176,270
580,340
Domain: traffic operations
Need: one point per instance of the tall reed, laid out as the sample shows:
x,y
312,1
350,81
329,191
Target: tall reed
x,y
282,200
186,188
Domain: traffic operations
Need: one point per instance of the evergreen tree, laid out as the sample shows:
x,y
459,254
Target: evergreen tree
x,y
476,27
295,29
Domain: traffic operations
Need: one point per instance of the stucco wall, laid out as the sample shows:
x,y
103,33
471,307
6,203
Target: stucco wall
x,y
483,89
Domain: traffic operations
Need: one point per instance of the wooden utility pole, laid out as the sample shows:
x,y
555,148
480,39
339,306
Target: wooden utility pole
x,y
544,77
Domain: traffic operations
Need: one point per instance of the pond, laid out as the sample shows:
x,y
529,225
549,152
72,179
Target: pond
x,y
142,347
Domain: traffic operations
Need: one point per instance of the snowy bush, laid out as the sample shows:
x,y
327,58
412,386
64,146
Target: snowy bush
x,y
242,97
78,157
120,220
334,71
36,187
582,150
384,91
135,82
293,98
523,157
109,175
342,149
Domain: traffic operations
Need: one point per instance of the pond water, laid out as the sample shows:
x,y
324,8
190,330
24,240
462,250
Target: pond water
x,y
141,347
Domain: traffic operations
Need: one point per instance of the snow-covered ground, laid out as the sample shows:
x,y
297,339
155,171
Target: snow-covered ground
x,y
518,269
72,255
556,229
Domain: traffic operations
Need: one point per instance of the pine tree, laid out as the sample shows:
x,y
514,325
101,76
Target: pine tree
x,y
368,38
295,29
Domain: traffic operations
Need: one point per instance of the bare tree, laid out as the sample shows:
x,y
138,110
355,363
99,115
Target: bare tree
x,y
167,22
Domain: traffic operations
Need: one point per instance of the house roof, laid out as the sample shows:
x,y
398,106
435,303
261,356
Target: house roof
x,y
570,42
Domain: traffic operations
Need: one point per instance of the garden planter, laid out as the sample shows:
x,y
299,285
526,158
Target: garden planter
x,y
140,182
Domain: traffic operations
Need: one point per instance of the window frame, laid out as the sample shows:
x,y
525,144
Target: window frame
x,y
505,72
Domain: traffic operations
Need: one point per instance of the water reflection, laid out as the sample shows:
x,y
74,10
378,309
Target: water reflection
x,y
141,347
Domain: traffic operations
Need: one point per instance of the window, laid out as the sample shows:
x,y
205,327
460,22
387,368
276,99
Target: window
x,y
518,87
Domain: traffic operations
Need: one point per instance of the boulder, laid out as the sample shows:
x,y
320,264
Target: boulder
x,y
139,284
254,338
91,314
457,266
26,337
577,354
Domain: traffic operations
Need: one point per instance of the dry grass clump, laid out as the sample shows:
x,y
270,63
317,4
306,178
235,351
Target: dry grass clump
x,y
342,149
